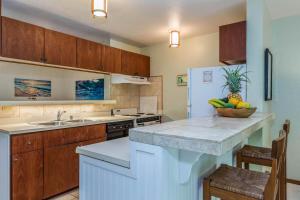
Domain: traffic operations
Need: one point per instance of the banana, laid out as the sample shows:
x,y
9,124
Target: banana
x,y
217,103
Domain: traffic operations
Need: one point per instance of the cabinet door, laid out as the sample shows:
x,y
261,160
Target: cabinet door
x,y
94,132
89,55
233,43
27,176
60,49
111,60
21,40
129,63
61,169
143,65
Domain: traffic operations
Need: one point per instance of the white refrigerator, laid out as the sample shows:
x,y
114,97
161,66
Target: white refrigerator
x,y
205,83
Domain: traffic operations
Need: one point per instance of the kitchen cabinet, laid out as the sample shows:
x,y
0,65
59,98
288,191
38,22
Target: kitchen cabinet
x,y
111,60
27,176
129,63
25,41
135,64
60,49
89,55
61,171
233,43
21,40
45,164
143,65
26,143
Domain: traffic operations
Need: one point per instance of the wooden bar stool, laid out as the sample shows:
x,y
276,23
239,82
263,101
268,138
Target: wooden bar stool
x,y
232,183
263,156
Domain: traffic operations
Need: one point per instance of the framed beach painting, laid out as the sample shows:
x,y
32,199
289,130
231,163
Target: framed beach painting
x,y
90,89
181,80
32,88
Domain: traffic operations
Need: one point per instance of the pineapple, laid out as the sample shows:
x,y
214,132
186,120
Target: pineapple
x,y
234,79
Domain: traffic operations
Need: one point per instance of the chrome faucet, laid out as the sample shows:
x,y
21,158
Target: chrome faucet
x,y
59,115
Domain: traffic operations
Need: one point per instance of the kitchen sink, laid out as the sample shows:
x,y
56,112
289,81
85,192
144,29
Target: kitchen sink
x,y
52,123
60,123
79,121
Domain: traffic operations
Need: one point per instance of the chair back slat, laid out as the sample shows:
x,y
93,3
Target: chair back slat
x,y
278,156
287,126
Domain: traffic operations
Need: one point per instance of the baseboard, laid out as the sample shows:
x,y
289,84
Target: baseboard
x,y
292,181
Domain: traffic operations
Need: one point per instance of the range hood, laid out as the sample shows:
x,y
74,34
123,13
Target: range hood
x,y
124,79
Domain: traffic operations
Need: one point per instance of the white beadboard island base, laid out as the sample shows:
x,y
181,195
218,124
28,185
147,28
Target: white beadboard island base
x,y
164,172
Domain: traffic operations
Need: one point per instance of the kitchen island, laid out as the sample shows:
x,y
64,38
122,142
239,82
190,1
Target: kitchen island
x,y
166,161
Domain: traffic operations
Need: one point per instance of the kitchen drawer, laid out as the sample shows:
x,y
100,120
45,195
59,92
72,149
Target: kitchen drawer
x,y
26,143
63,136
94,132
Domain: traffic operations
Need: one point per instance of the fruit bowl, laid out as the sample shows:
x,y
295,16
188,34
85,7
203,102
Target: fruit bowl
x,y
236,113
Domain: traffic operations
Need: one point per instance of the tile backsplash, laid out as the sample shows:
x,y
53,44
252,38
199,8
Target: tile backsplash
x,y
18,114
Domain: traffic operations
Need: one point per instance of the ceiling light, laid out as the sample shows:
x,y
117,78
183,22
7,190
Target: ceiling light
x,y
174,39
99,8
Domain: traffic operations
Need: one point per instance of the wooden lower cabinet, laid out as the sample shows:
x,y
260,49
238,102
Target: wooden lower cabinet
x,y
61,170
27,176
45,164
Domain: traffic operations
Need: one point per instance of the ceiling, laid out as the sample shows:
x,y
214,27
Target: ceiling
x,y
144,22
283,8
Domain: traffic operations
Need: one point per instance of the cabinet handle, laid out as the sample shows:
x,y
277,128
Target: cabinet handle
x,y
16,159
29,143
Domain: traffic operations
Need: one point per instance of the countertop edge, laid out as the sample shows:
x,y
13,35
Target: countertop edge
x,y
105,158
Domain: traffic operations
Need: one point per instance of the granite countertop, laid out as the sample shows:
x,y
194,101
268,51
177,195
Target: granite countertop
x,y
114,151
211,135
22,128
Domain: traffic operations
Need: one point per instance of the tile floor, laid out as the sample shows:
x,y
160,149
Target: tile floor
x,y
293,194
72,195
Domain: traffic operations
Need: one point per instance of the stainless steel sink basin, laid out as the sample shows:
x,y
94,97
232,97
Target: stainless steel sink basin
x,y
52,123
79,121
60,123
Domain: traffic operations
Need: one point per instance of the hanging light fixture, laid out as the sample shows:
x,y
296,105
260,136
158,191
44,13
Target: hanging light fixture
x,y
99,8
174,39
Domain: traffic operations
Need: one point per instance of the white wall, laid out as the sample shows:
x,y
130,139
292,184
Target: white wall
x,y
259,34
170,62
286,40
125,46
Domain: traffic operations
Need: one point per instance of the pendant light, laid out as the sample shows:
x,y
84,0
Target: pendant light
x,y
174,39
99,8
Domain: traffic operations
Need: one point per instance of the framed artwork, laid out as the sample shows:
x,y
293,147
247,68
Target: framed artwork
x,y
90,89
181,80
208,77
268,75
32,88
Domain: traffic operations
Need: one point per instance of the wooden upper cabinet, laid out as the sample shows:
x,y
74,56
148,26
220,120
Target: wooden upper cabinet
x,y
60,48
21,40
111,60
89,55
143,65
135,64
27,176
233,43
129,63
